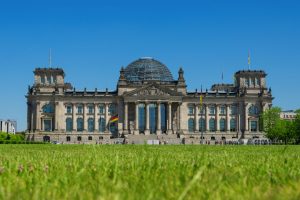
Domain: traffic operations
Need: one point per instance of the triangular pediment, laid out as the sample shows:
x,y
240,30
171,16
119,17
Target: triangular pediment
x,y
153,90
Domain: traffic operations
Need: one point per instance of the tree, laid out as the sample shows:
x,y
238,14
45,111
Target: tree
x,y
297,127
271,123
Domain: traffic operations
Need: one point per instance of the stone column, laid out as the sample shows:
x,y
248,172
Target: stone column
x,y
74,117
38,116
246,117
217,118
207,118
196,118
169,131
56,116
179,118
96,118
136,131
147,131
158,131
106,118
84,118
126,117
227,118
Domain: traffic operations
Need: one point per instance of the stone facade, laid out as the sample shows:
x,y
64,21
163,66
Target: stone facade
x,y
149,104
8,126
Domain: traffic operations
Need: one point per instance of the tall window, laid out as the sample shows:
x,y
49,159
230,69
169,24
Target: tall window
x,y
212,125
79,124
91,125
163,117
253,126
101,109
223,110
141,117
47,125
48,108
191,125
43,80
232,125
79,109
91,109
257,82
222,125
246,82
69,124
69,109
212,110
152,116
191,110
112,109
201,124
102,124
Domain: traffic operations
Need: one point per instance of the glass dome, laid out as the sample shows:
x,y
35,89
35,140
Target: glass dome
x,y
147,69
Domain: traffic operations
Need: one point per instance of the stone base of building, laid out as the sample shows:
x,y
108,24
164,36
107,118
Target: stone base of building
x,y
136,138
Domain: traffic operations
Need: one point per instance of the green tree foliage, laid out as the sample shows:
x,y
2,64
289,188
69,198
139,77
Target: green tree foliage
x,y
279,129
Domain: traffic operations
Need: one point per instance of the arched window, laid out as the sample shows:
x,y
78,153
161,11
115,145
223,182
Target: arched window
x,y
212,125
253,110
102,125
222,125
91,125
48,108
201,124
191,125
79,124
232,125
69,124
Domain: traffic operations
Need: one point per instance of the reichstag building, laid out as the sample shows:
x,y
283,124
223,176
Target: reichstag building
x,y
149,103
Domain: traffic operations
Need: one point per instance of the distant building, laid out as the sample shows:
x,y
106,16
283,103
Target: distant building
x,y
148,103
288,115
8,126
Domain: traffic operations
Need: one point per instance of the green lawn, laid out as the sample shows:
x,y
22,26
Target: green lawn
x,y
149,172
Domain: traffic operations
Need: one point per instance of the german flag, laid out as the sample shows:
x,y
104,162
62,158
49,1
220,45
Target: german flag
x,y
114,119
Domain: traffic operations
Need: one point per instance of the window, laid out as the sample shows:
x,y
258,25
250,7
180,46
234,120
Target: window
x,y
79,138
69,124
257,82
49,80
48,108
43,80
102,125
202,110
79,124
253,126
90,138
69,109
212,110
68,138
102,109
79,109
91,125
233,109
223,110
47,125
191,125
253,110
191,110
112,109
212,125
90,109
232,125
201,124
222,125
54,79
246,82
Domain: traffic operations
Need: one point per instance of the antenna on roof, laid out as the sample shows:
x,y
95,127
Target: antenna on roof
x,y
50,58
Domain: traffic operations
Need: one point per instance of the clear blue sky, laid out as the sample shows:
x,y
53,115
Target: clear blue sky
x,y
91,40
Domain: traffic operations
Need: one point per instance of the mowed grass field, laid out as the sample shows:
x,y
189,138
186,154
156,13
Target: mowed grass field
x,y
149,172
